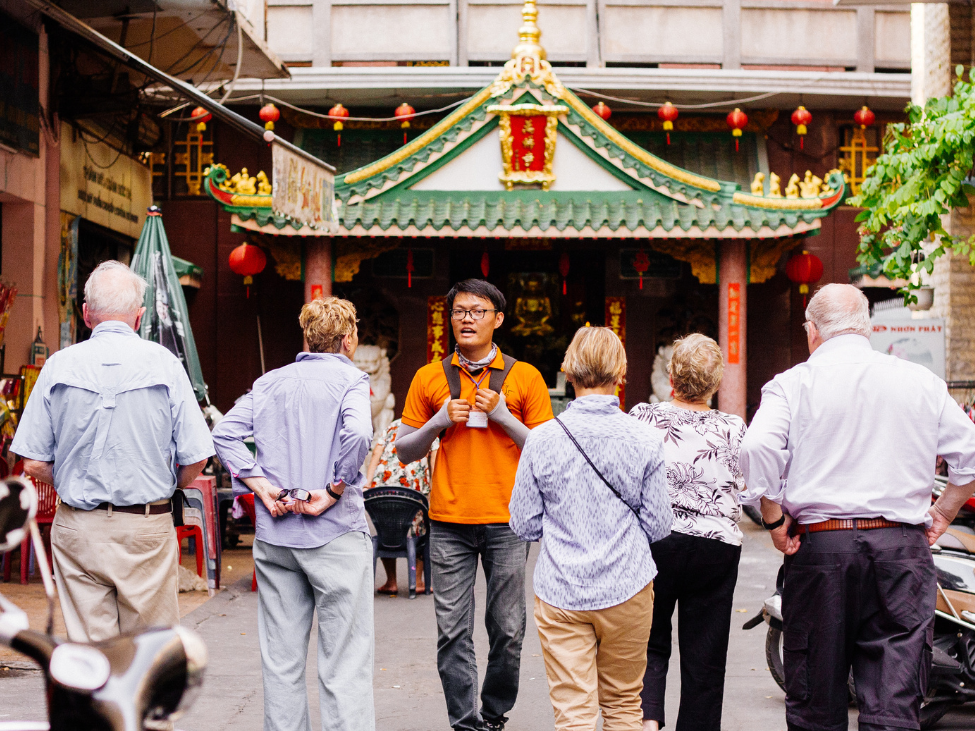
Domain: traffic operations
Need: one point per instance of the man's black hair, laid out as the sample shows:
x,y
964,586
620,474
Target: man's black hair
x,y
478,288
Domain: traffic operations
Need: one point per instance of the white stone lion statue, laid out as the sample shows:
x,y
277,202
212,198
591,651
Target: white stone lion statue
x,y
659,378
372,360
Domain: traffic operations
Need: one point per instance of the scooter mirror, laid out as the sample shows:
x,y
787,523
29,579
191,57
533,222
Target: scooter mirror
x,y
18,506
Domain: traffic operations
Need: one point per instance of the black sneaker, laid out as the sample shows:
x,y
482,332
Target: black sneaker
x,y
495,725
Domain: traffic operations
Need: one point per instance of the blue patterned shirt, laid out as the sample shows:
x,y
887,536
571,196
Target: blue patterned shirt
x,y
594,554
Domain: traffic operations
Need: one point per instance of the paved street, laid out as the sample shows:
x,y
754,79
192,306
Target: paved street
x,y
408,694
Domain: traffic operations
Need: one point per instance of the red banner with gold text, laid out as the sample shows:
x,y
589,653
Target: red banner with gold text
x,y
616,321
734,322
437,323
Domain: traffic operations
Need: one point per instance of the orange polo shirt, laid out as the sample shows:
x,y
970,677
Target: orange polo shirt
x,y
475,470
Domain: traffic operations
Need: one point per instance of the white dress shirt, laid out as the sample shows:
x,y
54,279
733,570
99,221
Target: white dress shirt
x,y
853,433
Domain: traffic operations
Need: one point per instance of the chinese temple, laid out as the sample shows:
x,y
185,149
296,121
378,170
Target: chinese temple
x,y
526,185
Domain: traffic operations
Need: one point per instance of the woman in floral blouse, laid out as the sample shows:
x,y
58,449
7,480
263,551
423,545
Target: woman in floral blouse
x,y
386,469
698,562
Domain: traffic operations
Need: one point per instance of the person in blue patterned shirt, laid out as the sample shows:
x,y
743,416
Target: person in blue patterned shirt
x,y
594,576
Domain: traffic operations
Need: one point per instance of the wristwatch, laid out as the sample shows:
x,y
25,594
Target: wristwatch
x,y
332,494
772,526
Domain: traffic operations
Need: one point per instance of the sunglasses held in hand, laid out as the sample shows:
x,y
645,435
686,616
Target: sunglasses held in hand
x,y
295,494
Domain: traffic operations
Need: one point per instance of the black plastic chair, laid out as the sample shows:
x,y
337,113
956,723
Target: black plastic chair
x,y
392,509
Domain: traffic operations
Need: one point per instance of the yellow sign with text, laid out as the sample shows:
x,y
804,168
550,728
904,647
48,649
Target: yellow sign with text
x,y
102,185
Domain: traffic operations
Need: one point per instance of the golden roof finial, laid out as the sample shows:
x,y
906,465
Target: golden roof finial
x,y
529,34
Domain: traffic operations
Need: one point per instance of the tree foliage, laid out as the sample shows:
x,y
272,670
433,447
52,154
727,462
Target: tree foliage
x,y
923,174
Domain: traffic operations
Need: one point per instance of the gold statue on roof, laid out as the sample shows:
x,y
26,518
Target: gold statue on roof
x,y
528,58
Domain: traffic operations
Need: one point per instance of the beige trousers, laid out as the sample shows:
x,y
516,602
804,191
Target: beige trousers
x,y
115,573
596,660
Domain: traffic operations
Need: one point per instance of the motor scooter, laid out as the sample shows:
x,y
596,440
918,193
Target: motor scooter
x,y
951,680
133,682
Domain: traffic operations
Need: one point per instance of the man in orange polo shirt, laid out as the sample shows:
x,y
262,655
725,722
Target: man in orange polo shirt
x,y
485,403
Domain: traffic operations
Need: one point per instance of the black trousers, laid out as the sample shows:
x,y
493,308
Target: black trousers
x,y
698,575
863,599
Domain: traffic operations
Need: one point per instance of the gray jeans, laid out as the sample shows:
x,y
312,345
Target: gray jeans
x,y
454,550
336,580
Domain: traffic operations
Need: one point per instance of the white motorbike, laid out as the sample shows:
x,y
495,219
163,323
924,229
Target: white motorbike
x,y
129,683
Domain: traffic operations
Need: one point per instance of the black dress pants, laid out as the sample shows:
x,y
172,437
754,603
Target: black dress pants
x,y
863,599
698,575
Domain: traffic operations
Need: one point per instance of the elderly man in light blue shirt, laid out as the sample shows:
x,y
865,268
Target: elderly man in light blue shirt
x,y
113,423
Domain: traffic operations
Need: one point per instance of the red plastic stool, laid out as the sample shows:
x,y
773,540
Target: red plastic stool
x,y
191,531
247,503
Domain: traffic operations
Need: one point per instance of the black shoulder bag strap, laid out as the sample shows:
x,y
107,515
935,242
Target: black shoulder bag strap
x,y
496,382
616,492
452,373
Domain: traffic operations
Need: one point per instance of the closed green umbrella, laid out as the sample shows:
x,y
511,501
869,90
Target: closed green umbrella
x,y
167,320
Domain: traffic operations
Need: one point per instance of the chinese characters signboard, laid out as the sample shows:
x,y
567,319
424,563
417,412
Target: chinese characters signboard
x,y
616,321
437,335
303,190
528,135
734,323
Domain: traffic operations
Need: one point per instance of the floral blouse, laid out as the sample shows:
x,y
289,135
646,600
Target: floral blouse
x,y
391,471
704,477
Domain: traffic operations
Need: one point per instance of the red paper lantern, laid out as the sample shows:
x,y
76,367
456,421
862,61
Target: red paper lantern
x,y
804,269
409,267
801,118
564,268
668,115
603,111
405,113
338,113
269,114
485,264
737,120
641,262
247,260
200,117
864,117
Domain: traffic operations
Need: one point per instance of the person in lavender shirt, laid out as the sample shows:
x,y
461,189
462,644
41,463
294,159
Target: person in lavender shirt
x,y
594,576
312,425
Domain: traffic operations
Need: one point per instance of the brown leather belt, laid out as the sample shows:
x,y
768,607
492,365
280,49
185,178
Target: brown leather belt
x,y
158,509
848,524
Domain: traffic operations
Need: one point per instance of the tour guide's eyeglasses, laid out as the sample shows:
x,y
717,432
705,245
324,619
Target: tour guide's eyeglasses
x,y
476,314
295,494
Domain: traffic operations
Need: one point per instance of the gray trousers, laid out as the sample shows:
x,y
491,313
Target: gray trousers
x,y
336,580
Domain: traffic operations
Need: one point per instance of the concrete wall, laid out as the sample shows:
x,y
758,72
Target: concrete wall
x,y
728,33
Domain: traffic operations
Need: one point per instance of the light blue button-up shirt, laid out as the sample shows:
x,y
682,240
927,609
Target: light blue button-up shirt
x,y
116,415
595,553
312,424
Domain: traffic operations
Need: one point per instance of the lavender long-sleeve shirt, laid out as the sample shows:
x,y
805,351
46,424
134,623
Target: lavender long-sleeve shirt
x,y
311,423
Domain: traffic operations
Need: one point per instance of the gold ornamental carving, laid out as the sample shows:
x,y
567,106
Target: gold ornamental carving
x,y
528,59
528,135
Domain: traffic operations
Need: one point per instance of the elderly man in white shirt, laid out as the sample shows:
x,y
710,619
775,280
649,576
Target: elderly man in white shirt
x,y
842,453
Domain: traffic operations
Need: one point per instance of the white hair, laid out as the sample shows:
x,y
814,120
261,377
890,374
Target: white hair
x,y
114,289
839,309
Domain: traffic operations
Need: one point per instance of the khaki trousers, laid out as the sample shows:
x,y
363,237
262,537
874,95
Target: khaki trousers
x,y
596,660
115,573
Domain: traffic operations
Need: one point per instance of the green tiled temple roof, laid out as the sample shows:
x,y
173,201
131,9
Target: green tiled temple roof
x,y
562,211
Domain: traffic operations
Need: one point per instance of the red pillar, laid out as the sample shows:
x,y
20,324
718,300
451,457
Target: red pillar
x,y
732,309
318,268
